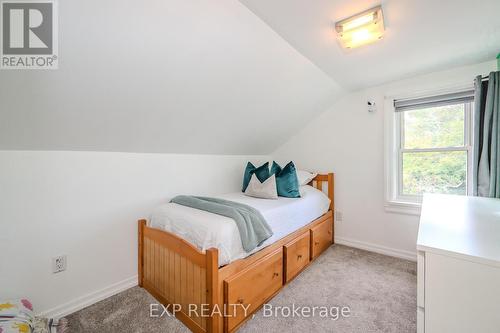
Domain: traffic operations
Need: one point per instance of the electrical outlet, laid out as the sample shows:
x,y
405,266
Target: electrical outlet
x,y
339,216
58,264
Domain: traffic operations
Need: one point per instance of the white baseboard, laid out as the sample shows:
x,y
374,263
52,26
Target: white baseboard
x,y
403,254
89,299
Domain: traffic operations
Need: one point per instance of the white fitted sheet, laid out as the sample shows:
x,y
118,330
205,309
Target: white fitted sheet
x,y
206,230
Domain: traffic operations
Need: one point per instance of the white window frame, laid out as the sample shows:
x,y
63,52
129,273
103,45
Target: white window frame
x,y
394,137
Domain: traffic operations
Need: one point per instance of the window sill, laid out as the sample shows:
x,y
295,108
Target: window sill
x,y
403,207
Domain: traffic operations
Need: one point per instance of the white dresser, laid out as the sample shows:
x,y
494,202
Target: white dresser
x,y
458,246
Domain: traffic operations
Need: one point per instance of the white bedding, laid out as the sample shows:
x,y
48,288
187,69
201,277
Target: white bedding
x,y
206,230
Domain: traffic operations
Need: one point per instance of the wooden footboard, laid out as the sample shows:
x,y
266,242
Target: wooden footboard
x,y
180,276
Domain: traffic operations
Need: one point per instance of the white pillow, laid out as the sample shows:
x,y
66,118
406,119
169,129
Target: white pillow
x,y
305,177
265,190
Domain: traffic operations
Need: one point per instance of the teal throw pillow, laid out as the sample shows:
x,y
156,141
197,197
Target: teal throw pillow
x,y
287,182
261,172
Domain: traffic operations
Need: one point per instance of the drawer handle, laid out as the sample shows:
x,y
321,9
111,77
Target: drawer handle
x,y
276,274
329,232
240,300
299,257
316,243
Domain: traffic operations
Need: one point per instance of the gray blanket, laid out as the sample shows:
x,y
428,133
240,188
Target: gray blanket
x,y
252,226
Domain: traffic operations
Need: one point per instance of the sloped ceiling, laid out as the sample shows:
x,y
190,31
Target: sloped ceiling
x,y
422,36
171,76
221,76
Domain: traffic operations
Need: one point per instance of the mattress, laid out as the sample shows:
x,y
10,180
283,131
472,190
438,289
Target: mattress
x,y
205,230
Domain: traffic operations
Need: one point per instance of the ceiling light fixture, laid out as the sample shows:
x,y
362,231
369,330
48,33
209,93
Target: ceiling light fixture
x,y
361,29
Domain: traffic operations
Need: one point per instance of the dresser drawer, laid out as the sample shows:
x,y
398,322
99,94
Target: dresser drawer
x,y
420,320
296,255
253,287
321,237
421,279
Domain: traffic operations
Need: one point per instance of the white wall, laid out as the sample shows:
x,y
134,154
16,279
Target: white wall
x,y
86,205
349,141
137,76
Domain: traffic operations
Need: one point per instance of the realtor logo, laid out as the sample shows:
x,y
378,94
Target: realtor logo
x,y
29,34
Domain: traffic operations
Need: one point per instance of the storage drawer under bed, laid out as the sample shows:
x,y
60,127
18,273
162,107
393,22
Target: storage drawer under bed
x,y
321,237
296,256
252,287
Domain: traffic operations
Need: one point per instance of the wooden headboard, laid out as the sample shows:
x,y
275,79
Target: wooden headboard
x,y
330,180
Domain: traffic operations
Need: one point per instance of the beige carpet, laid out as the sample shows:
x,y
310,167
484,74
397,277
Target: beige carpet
x,y
379,290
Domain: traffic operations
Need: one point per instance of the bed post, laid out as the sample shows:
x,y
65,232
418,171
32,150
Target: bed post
x,y
140,243
212,278
331,194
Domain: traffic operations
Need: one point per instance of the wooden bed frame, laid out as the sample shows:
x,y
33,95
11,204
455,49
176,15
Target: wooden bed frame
x,y
212,299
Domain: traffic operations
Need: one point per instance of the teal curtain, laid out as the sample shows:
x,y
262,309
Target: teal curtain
x,y
486,177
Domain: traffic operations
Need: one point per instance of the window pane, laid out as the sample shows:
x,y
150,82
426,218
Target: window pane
x,y
436,127
434,172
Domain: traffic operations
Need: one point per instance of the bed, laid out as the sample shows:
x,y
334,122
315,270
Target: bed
x,y
194,259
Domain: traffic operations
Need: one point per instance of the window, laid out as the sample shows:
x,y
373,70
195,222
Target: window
x,y
431,147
